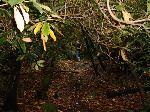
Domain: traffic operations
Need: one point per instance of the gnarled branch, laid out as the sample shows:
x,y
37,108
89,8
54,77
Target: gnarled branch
x,y
124,22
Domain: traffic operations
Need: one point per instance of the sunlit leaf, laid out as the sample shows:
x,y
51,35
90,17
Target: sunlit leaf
x,y
123,55
19,19
40,63
45,7
61,2
36,67
45,29
120,6
27,39
40,7
52,35
25,15
38,27
14,2
148,6
126,15
36,5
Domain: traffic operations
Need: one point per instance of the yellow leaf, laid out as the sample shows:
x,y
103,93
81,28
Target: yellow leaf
x,y
38,27
126,15
123,55
52,35
44,43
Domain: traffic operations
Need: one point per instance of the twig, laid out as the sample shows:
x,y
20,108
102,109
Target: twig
x,y
2,5
65,10
125,22
108,18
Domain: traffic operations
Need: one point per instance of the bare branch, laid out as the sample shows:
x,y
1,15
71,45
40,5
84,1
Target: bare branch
x,y
2,5
125,22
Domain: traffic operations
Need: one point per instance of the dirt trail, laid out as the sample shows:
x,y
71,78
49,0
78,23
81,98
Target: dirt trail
x,y
75,90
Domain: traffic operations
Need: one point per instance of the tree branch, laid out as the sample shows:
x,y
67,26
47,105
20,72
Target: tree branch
x,y
124,22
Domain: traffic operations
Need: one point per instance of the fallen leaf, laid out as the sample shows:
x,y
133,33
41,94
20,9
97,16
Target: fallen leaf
x,y
27,39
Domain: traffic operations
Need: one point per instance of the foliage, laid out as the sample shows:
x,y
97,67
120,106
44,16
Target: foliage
x,y
91,14
117,29
27,41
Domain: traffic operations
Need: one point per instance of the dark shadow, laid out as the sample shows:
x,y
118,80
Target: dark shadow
x,y
10,99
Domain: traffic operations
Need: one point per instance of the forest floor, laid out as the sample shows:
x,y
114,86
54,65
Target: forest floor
x,y
75,88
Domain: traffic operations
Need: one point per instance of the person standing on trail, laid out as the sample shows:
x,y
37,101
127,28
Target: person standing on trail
x,y
78,48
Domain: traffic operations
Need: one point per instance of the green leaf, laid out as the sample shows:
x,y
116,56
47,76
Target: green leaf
x,y
148,6
45,7
14,2
40,7
2,41
36,67
36,5
61,2
4,12
119,7
45,29
32,56
23,47
40,63
117,38
19,58
32,0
